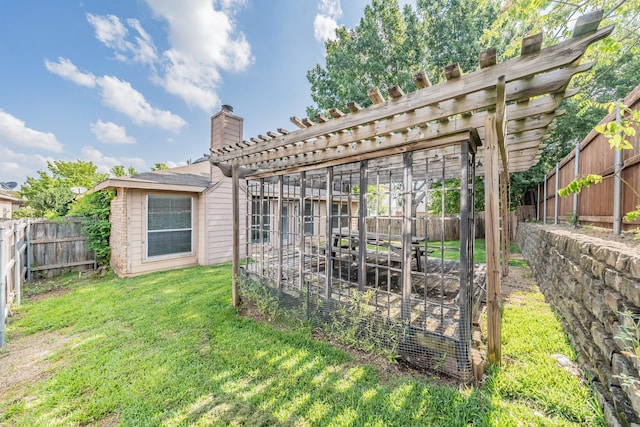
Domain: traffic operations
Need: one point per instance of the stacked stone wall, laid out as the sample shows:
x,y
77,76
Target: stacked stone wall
x,y
592,283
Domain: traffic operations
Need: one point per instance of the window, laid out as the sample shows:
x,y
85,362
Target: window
x,y
339,215
255,221
308,217
169,225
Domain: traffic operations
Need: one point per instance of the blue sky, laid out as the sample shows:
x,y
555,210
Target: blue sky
x,y
134,82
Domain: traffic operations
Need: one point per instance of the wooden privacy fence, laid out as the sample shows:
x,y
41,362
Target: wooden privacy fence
x,y
439,228
38,247
55,248
604,204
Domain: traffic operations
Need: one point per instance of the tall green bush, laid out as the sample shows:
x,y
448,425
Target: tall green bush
x,y
94,209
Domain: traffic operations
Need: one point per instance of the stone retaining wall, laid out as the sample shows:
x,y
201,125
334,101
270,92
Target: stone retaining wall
x,y
590,283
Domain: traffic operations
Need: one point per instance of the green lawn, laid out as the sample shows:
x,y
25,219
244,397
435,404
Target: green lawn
x,y
168,349
452,251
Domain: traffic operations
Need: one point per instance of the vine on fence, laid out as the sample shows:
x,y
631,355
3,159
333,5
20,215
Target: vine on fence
x,y
94,209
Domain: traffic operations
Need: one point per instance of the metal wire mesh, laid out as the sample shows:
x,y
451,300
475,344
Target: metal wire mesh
x,y
357,250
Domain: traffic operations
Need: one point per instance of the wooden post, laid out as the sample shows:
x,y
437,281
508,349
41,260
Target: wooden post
x,y
576,174
501,138
235,208
328,238
17,266
492,236
466,264
617,184
3,285
29,251
544,214
362,226
505,232
407,201
261,239
555,197
303,195
280,233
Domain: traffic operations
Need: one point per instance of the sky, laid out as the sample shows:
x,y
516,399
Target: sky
x,y
135,82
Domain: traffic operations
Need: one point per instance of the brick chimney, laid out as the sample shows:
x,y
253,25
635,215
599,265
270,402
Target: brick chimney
x,y
226,129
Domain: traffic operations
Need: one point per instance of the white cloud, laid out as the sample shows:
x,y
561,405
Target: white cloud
x,y
203,42
67,70
15,131
113,34
105,163
171,164
122,97
326,21
111,133
17,166
145,50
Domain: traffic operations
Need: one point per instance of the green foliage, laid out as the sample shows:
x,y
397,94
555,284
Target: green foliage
x,y
389,45
51,194
355,325
630,332
555,19
377,198
24,212
120,170
617,131
159,167
578,184
449,197
94,209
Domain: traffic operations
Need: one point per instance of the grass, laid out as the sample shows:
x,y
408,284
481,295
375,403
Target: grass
x,y
168,349
452,251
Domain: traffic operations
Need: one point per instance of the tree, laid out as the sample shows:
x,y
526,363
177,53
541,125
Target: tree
x,y
555,20
51,194
120,171
388,46
454,31
159,167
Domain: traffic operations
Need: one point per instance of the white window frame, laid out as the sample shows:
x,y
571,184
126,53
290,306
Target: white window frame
x,y
147,231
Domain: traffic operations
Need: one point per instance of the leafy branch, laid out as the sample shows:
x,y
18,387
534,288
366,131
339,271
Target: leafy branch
x,y
578,184
617,132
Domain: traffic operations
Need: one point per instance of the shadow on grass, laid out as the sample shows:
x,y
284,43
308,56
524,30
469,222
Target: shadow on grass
x,y
168,349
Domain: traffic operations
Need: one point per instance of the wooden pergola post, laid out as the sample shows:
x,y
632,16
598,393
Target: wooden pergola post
x,y
492,239
235,257
501,137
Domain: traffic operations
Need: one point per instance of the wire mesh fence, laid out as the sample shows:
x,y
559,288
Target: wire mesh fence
x,y
348,249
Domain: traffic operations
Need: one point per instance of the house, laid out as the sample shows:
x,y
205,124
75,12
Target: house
x,y
178,217
8,204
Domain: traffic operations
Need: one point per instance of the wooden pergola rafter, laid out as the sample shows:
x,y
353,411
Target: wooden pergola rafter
x,y
506,108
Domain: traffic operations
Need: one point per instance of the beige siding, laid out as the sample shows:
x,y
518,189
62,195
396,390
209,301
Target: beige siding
x,y
219,223
212,229
119,238
137,262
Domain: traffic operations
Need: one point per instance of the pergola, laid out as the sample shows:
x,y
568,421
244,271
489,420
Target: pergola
x,y
499,114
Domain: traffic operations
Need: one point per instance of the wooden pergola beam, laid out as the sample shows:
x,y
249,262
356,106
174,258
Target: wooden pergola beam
x,y
523,131
536,86
551,58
